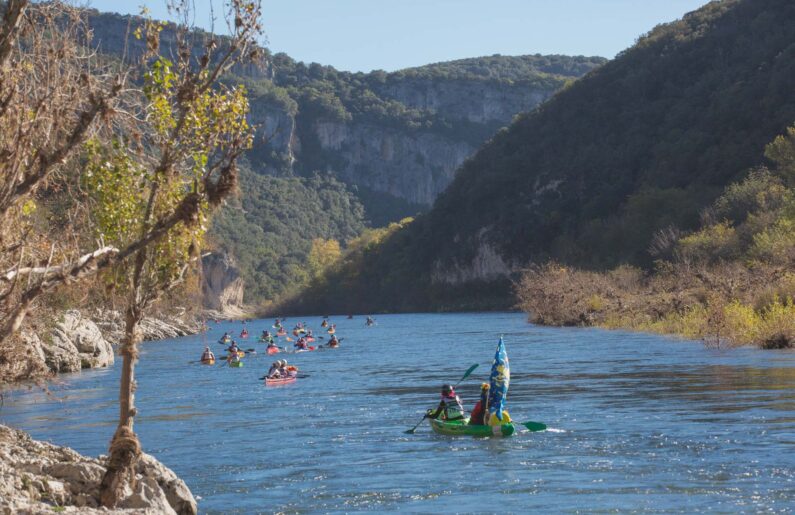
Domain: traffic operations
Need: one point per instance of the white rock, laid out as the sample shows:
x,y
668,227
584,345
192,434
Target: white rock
x,y
94,351
149,498
179,496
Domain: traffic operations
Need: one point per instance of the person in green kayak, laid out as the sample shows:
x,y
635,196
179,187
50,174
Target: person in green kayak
x,y
450,407
478,415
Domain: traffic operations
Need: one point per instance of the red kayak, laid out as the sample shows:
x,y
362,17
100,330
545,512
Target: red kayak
x,y
293,373
311,347
310,339
273,350
280,381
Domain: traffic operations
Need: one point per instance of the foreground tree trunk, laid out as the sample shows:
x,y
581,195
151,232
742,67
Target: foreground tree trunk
x,y
125,449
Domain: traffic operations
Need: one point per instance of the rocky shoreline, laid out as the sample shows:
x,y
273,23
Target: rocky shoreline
x,y
77,340
38,477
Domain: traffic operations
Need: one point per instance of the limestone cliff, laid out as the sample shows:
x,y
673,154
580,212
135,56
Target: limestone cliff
x,y
223,287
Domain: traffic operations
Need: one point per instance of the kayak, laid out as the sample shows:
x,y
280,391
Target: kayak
x,y
273,350
241,353
236,364
330,346
310,339
331,331
281,333
462,428
208,362
279,381
311,347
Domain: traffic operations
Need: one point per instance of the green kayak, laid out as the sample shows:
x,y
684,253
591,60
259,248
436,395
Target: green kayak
x,y
235,363
459,428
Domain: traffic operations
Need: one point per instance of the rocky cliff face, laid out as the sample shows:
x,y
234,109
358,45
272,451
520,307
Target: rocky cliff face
x,y
223,287
414,163
475,101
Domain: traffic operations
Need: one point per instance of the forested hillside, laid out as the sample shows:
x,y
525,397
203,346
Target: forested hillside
x,y
642,144
390,141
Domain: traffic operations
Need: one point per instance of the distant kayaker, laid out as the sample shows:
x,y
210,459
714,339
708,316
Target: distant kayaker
x,y
233,348
244,333
450,407
477,418
333,342
275,371
324,324
370,321
225,338
286,370
301,343
207,355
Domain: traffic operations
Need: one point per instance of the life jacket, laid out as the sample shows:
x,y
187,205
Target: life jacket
x,y
478,414
453,410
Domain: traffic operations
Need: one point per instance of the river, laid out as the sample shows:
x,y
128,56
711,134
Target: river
x,y
637,422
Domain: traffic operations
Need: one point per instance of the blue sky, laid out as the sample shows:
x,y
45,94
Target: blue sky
x,y
362,35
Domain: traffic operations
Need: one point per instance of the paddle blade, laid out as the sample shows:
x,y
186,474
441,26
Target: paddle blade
x,y
535,426
466,374
409,431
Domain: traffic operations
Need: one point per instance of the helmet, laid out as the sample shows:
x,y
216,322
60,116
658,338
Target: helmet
x,y
447,389
484,386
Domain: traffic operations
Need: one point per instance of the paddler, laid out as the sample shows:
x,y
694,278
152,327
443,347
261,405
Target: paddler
x,y
285,370
244,333
225,338
450,407
233,349
478,415
301,343
275,371
333,342
324,324
207,355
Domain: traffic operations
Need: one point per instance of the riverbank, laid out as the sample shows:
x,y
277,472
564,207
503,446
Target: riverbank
x,y
38,477
76,340
725,305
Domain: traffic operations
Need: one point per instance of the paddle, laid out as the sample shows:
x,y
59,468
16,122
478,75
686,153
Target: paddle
x,y
413,429
534,426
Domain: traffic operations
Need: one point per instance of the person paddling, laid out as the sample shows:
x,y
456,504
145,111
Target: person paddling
x,y
275,371
225,338
207,355
333,342
301,343
450,407
233,349
478,415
